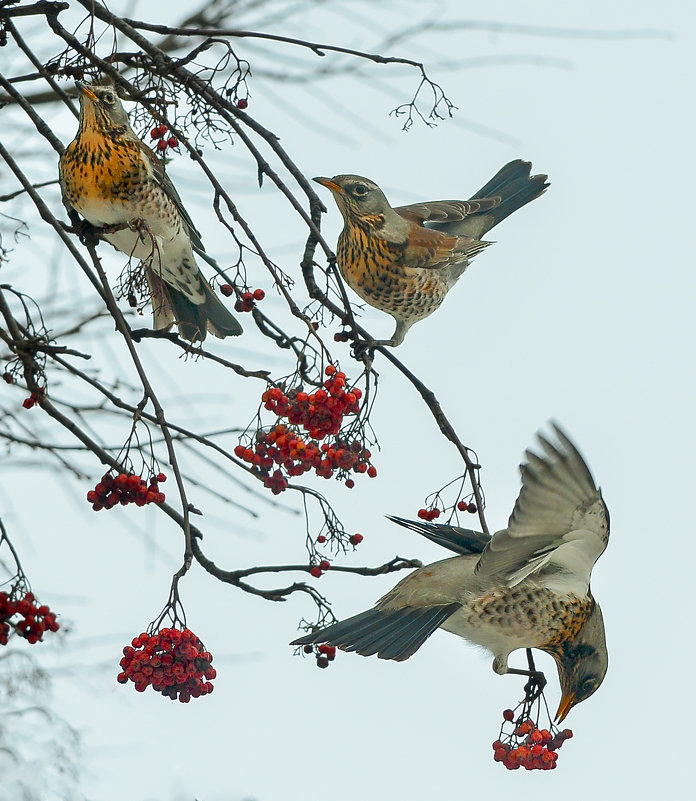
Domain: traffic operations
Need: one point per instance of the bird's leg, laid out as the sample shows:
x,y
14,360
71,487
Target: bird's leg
x,y
537,680
89,234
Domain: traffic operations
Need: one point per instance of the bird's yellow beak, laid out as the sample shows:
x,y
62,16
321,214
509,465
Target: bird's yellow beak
x,y
564,707
86,90
329,184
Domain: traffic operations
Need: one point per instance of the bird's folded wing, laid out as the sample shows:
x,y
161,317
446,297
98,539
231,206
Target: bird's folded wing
x,y
440,211
463,541
391,634
163,180
427,248
560,523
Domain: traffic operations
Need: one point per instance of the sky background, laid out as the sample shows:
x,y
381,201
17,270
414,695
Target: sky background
x,y
582,312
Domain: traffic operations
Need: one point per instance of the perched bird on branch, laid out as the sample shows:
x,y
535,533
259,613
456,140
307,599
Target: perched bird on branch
x,y
118,185
405,260
528,586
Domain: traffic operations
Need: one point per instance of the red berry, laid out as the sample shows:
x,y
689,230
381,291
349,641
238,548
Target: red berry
x,y
259,294
7,378
462,506
162,145
155,133
321,538
322,662
242,103
308,649
350,483
227,290
173,141
372,471
472,508
315,571
324,564
508,715
356,539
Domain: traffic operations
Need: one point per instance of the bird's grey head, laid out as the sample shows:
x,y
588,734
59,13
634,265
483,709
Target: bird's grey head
x,y
356,196
582,663
101,107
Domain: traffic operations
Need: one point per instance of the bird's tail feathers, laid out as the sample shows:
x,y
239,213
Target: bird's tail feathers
x,y
390,633
464,541
190,318
221,321
515,187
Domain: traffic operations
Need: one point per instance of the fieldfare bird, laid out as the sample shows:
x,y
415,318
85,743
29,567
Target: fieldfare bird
x,y
405,260
527,586
114,180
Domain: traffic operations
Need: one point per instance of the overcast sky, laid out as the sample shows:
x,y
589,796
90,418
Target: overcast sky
x,y
582,312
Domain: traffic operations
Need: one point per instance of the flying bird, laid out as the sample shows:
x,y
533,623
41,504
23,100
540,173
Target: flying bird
x,y
113,179
527,586
404,260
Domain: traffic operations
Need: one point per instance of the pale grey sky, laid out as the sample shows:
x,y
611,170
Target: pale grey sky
x,y
582,312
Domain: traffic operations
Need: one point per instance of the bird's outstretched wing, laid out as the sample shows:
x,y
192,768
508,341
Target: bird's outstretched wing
x,y
463,541
559,526
390,633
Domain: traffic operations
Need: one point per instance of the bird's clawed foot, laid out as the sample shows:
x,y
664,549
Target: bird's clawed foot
x,y
365,348
537,680
87,233
90,234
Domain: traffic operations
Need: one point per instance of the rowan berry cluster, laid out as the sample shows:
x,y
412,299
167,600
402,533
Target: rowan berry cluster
x,y
433,512
528,746
34,398
354,539
126,488
324,653
248,300
318,570
35,619
172,661
293,453
163,141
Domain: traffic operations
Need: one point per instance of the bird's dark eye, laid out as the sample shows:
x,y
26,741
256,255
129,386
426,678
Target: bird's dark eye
x,y
360,189
589,686
109,97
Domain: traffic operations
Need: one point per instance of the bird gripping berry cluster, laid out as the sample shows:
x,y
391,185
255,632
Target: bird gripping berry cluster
x,y
35,619
172,661
528,746
321,414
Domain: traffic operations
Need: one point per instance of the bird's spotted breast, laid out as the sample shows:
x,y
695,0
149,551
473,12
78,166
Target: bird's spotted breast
x,y
373,268
539,610
96,169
